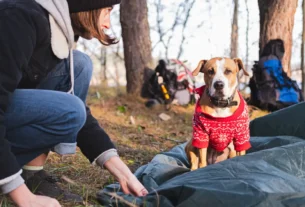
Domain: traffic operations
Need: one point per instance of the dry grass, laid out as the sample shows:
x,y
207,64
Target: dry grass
x,y
137,144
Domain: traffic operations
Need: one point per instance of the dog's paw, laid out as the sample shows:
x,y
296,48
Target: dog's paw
x,y
194,167
202,164
241,153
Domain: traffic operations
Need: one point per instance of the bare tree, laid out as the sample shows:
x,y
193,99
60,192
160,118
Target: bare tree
x,y
247,34
159,26
137,43
172,29
302,49
182,15
234,33
276,22
188,10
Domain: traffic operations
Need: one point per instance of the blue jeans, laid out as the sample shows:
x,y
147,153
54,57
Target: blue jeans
x,y
46,118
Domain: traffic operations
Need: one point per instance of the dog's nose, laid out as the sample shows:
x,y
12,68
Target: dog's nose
x,y
218,85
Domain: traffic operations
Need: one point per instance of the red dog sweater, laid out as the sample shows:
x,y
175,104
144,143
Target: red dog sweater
x,y
218,132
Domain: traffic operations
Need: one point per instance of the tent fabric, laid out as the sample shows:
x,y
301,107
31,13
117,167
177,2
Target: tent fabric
x,y
272,173
289,121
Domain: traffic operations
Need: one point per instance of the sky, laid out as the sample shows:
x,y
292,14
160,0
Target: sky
x,y
212,38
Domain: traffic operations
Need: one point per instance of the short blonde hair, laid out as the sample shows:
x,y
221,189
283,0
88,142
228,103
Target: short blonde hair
x,y
87,23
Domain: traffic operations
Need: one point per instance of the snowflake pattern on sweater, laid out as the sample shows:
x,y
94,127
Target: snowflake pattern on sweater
x,y
218,132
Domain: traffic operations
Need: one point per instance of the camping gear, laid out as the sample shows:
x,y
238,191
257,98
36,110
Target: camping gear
x,y
185,82
271,88
176,84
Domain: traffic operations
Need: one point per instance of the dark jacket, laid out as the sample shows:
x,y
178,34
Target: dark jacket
x,y
26,57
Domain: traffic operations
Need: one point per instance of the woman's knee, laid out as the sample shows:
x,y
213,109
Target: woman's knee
x,y
70,117
41,119
75,120
76,117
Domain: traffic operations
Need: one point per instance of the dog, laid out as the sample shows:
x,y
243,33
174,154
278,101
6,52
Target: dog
x,y
221,114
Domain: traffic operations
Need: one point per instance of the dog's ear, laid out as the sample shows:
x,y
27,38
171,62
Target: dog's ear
x,y
241,65
199,67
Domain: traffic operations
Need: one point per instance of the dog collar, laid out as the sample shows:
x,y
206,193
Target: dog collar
x,y
222,103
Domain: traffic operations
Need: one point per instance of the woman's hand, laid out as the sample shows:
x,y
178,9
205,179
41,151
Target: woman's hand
x,y
128,181
23,197
133,186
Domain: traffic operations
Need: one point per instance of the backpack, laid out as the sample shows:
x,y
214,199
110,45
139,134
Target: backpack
x,y
163,91
271,88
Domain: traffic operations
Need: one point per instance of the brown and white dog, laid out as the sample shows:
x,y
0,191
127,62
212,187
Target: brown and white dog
x,y
219,100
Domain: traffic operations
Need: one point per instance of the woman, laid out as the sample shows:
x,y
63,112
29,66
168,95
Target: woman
x,y
43,95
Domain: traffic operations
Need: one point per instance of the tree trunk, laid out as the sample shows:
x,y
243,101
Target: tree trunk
x,y
104,65
234,32
137,43
302,49
276,22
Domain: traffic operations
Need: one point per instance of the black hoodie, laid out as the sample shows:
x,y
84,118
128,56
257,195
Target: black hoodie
x,y
25,59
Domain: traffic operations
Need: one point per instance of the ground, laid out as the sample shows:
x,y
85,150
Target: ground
x,y
137,142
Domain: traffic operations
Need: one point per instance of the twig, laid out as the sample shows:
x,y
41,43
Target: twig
x,y
173,140
68,180
117,52
121,199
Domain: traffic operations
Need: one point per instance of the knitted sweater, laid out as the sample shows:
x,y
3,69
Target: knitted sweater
x,y
218,132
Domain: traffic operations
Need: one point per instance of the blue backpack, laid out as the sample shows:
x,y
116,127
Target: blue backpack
x,y
271,88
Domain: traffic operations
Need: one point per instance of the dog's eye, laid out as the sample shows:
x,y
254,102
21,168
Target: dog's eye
x,y
211,71
227,72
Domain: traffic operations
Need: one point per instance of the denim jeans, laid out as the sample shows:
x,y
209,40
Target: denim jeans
x,y
46,118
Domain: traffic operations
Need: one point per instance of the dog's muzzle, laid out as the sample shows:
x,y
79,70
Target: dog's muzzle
x,y
222,103
219,85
